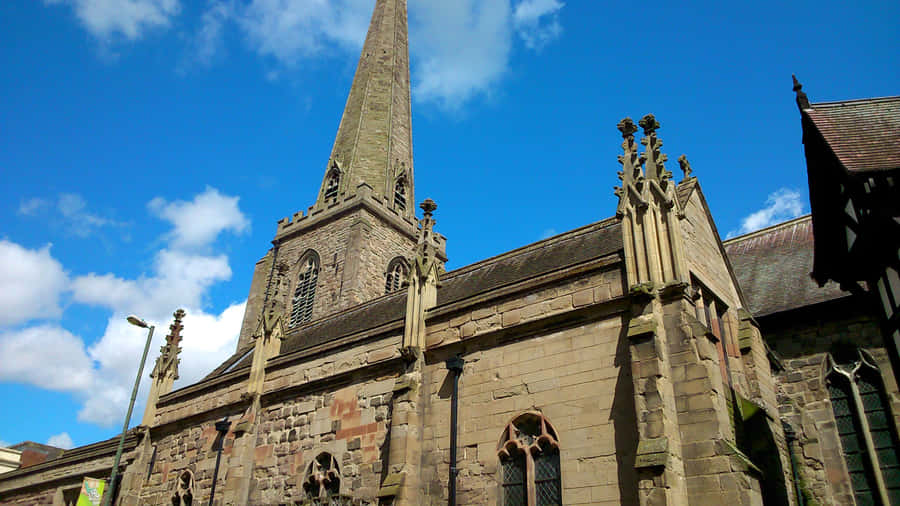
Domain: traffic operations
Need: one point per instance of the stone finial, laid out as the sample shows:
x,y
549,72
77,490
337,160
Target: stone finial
x,y
649,124
685,166
428,206
627,127
167,362
802,100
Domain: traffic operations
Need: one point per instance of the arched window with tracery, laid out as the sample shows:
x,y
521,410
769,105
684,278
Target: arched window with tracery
x,y
305,292
332,185
396,275
865,426
529,462
400,195
322,483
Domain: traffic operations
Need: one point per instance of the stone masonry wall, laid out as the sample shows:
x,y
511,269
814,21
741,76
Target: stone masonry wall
x,y
802,340
575,375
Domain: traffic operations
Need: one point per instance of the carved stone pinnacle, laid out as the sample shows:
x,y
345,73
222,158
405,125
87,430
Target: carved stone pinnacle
x,y
178,314
685,166
428,206
649,124
627,127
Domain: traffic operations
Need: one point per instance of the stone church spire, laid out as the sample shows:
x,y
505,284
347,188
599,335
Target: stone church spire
x,y
374,140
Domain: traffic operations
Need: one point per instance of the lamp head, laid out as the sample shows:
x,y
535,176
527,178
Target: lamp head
x,y
137,322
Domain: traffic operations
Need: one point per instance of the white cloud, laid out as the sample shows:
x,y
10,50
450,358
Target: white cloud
x,y
101,375
783,204
197,223
461,49
62,440
32,206
31,282
46,356
537,22
130,19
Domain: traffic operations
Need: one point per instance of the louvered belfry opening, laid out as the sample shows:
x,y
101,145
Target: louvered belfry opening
x,y
305,292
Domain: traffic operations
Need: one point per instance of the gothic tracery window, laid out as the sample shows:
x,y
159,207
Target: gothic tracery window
x,y
400,195
529,463
331,187
396,275
305,292
323,482
865,427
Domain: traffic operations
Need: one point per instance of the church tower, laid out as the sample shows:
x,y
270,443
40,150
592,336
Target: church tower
x,y
356,242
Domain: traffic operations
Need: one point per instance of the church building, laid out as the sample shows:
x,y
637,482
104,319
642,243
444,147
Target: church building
x,y
638,360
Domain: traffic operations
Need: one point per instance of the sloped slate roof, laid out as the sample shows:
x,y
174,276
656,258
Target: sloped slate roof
x,y
571,248
577,246
773,265
366,316
864,134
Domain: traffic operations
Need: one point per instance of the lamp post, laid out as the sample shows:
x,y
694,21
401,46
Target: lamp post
x,y
134,320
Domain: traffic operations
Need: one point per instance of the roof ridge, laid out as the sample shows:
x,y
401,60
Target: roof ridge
x,y
565,236
834,103
766,230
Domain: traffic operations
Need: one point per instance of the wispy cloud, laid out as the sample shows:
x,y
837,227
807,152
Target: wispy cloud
x,y
73,214
537,22
461,48
128,19
550,232
33,206
782,204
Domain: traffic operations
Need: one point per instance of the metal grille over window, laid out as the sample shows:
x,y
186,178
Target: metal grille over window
x,y
400,195
395,276
331,189
305,293
529,460
865,428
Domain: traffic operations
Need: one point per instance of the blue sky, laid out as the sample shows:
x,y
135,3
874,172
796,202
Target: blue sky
x,y
149,146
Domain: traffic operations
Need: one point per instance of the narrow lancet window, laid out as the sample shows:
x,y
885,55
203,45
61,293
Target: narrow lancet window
x,y
400,195
529,463
396,275
305,292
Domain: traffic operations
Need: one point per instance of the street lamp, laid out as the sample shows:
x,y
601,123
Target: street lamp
x,y
134,320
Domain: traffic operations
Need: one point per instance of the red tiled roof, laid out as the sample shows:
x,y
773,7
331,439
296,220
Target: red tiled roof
x,y
864,134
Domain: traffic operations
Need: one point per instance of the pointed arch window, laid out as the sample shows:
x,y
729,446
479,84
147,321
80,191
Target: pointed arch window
x,y
396,274
305,292
322,483
332,185
529,462
400,195
865,427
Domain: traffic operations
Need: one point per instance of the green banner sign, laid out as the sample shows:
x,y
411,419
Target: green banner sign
x,y
91,492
